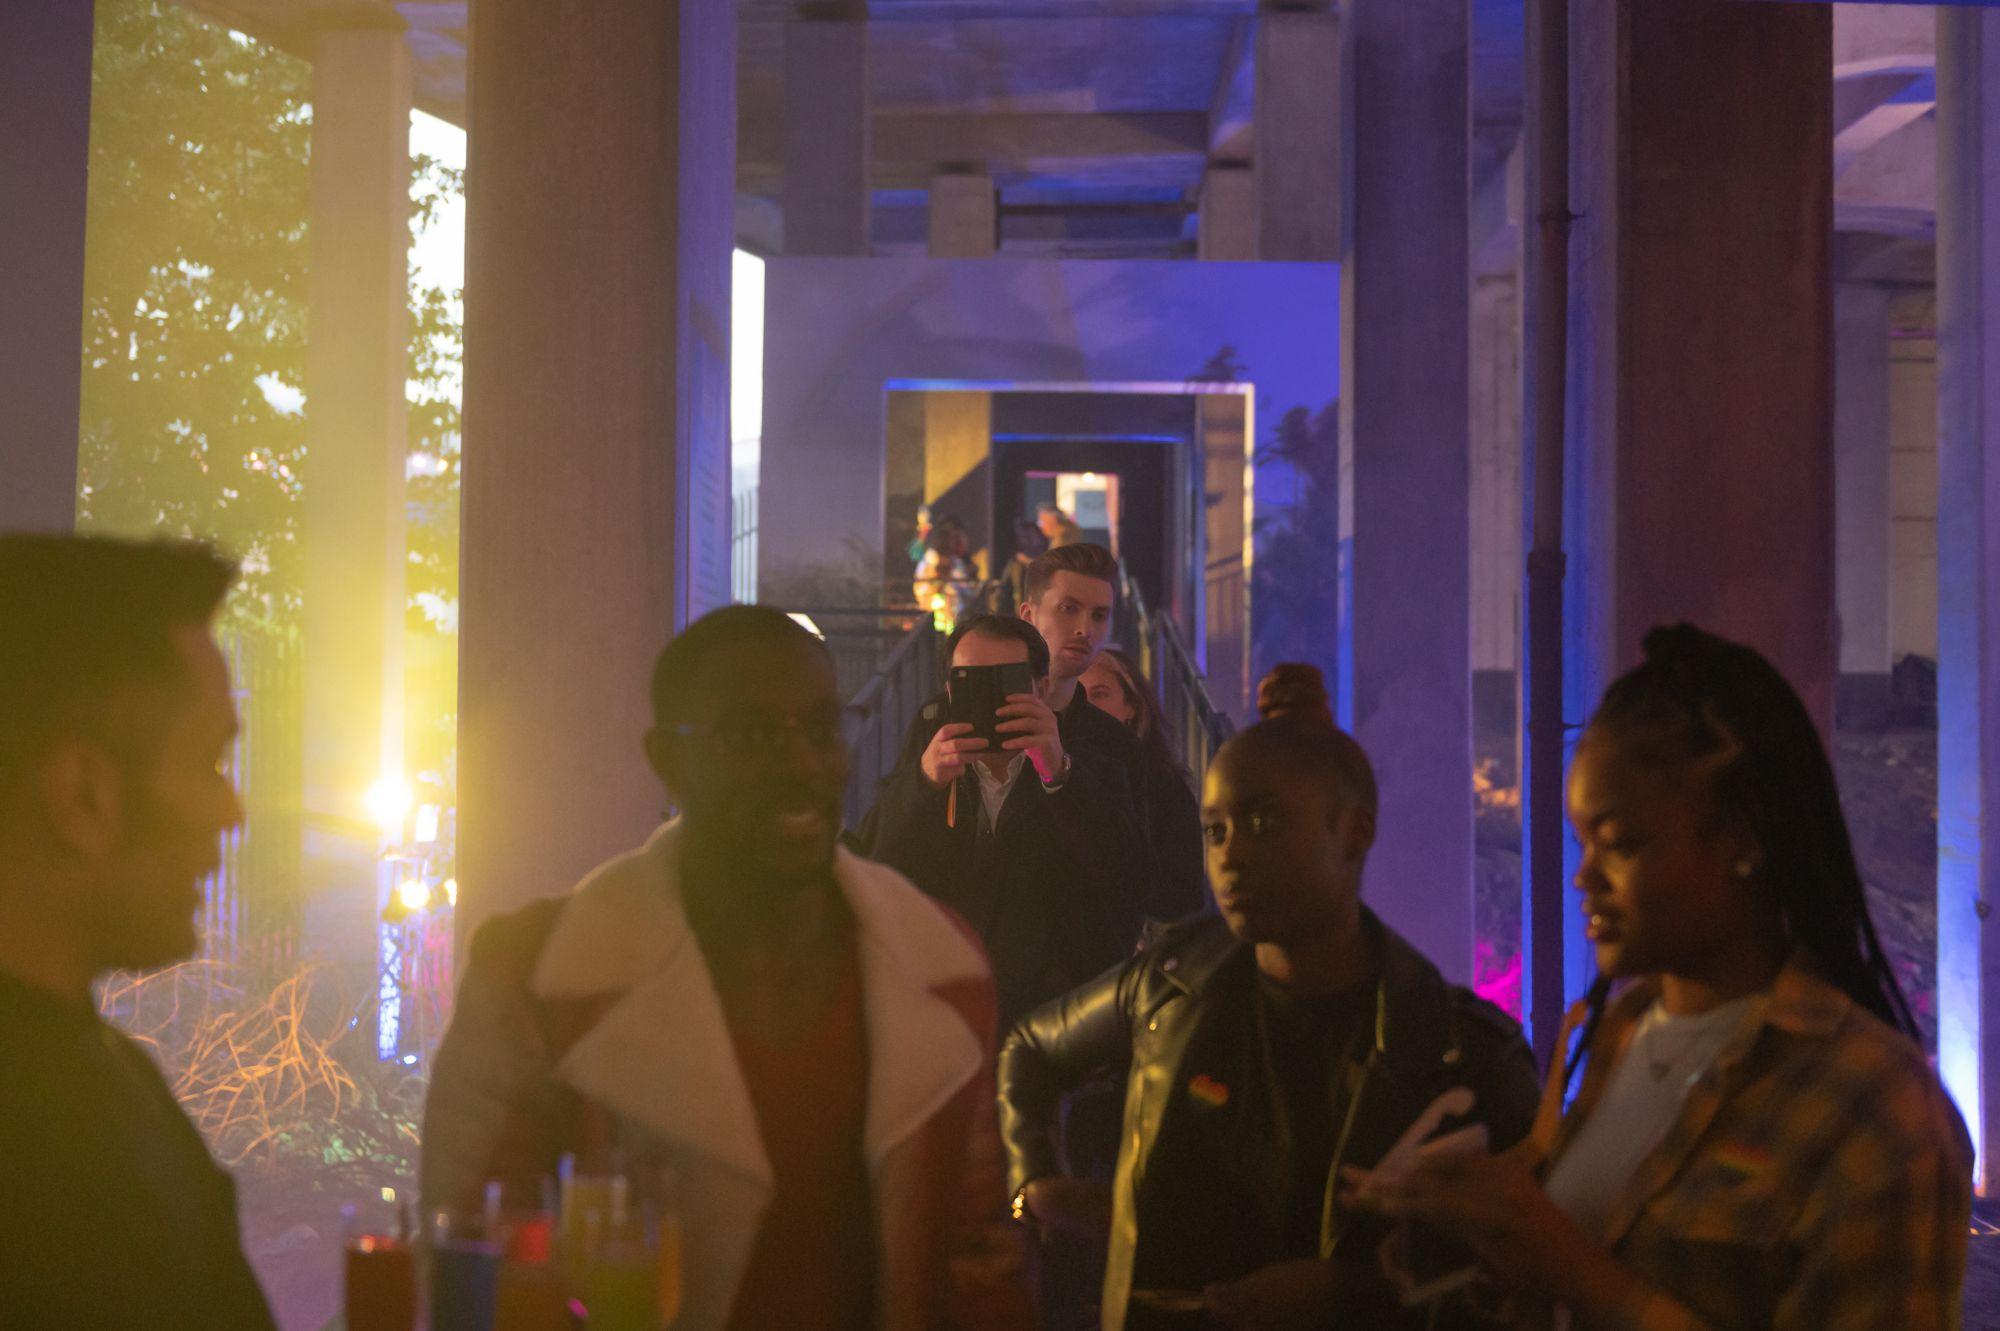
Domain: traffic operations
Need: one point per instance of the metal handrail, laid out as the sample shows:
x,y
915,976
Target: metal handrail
x,y
1196,727
881,710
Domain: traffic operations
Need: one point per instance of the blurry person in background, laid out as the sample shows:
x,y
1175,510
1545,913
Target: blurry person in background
x,y
1759,1140
1058,526
115,720
1010,589
921,541
796,1037
1115,686
946,581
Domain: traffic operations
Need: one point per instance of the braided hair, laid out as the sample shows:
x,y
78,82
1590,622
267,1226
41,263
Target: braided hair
x,y
1718,707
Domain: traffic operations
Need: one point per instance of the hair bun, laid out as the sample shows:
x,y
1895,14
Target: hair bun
x,y
1294,689
1670,643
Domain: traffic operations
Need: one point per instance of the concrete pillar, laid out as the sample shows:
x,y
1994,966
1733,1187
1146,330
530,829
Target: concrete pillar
x,y
1298,136
964,216
1495,425
1404,652
1969,572
1223,423
1226,224
1700,450
357,363
45,48
596,420
958,461
1913,476
827,106
1861,492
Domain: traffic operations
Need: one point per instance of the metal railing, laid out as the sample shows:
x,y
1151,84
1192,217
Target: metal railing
x,y
743,523
881,710
1195,726
251,904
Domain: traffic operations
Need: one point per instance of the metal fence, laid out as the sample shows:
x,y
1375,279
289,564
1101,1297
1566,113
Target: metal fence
x,y
880,710
743,507
1195,726
251,906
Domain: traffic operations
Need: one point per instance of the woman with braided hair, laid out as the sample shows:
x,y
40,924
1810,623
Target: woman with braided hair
x,y
1758,1140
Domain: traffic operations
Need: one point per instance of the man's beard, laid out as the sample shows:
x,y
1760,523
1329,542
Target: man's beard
x,y
143,915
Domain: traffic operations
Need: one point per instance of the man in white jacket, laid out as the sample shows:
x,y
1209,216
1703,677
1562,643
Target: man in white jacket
x,y
797,1036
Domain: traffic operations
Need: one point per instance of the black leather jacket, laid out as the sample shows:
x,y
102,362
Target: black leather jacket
x,y
1428,1036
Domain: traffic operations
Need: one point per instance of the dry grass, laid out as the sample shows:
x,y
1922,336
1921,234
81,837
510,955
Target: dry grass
x,y
275,1074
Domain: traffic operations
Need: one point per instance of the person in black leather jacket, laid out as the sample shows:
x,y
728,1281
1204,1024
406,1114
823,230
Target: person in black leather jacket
x,y
1266,1049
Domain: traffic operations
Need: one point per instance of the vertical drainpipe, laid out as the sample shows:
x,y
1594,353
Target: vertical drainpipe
x,y
1544,375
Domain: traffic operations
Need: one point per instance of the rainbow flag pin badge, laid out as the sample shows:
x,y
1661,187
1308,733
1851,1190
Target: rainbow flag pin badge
x,y
1209,1091
1740,1160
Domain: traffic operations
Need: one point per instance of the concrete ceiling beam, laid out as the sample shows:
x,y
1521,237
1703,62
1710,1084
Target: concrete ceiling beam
x,y
1870,258
1232,112
769,11
1877,126
1021,142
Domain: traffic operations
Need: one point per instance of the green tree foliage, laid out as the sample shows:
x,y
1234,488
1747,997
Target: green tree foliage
x,y
195,305
1294,585
437,356
194,291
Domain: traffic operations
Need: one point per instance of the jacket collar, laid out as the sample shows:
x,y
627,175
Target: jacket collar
x,y
1413,1006
661,1053
1798,1003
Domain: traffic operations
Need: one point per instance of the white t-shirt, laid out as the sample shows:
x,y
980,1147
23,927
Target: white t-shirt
x,y
1666,1056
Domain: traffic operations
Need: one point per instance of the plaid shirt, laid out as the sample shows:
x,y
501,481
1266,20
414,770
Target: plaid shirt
x,y
1817,1178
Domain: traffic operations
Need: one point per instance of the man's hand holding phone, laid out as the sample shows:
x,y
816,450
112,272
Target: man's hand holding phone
x,y
951,748
1030,723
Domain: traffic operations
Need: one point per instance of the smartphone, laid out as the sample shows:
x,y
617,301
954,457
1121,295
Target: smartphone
x,y
975,695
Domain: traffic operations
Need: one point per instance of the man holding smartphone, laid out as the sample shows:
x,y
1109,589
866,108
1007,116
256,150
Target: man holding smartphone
x,y
999,818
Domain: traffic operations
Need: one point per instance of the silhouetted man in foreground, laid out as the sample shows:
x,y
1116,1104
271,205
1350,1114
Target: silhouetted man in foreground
x,y
798,1037
115,718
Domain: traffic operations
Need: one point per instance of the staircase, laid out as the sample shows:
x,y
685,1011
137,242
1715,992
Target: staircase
x,y
887,663
1196,727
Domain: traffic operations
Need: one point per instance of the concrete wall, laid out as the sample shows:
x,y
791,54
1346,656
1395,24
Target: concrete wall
x,y
44,173
958,440
841,331
596,493
1913,479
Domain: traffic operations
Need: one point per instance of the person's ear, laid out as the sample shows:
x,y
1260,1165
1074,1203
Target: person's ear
x,y
1027,612
1746,860
663,755
1355,828
83,797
